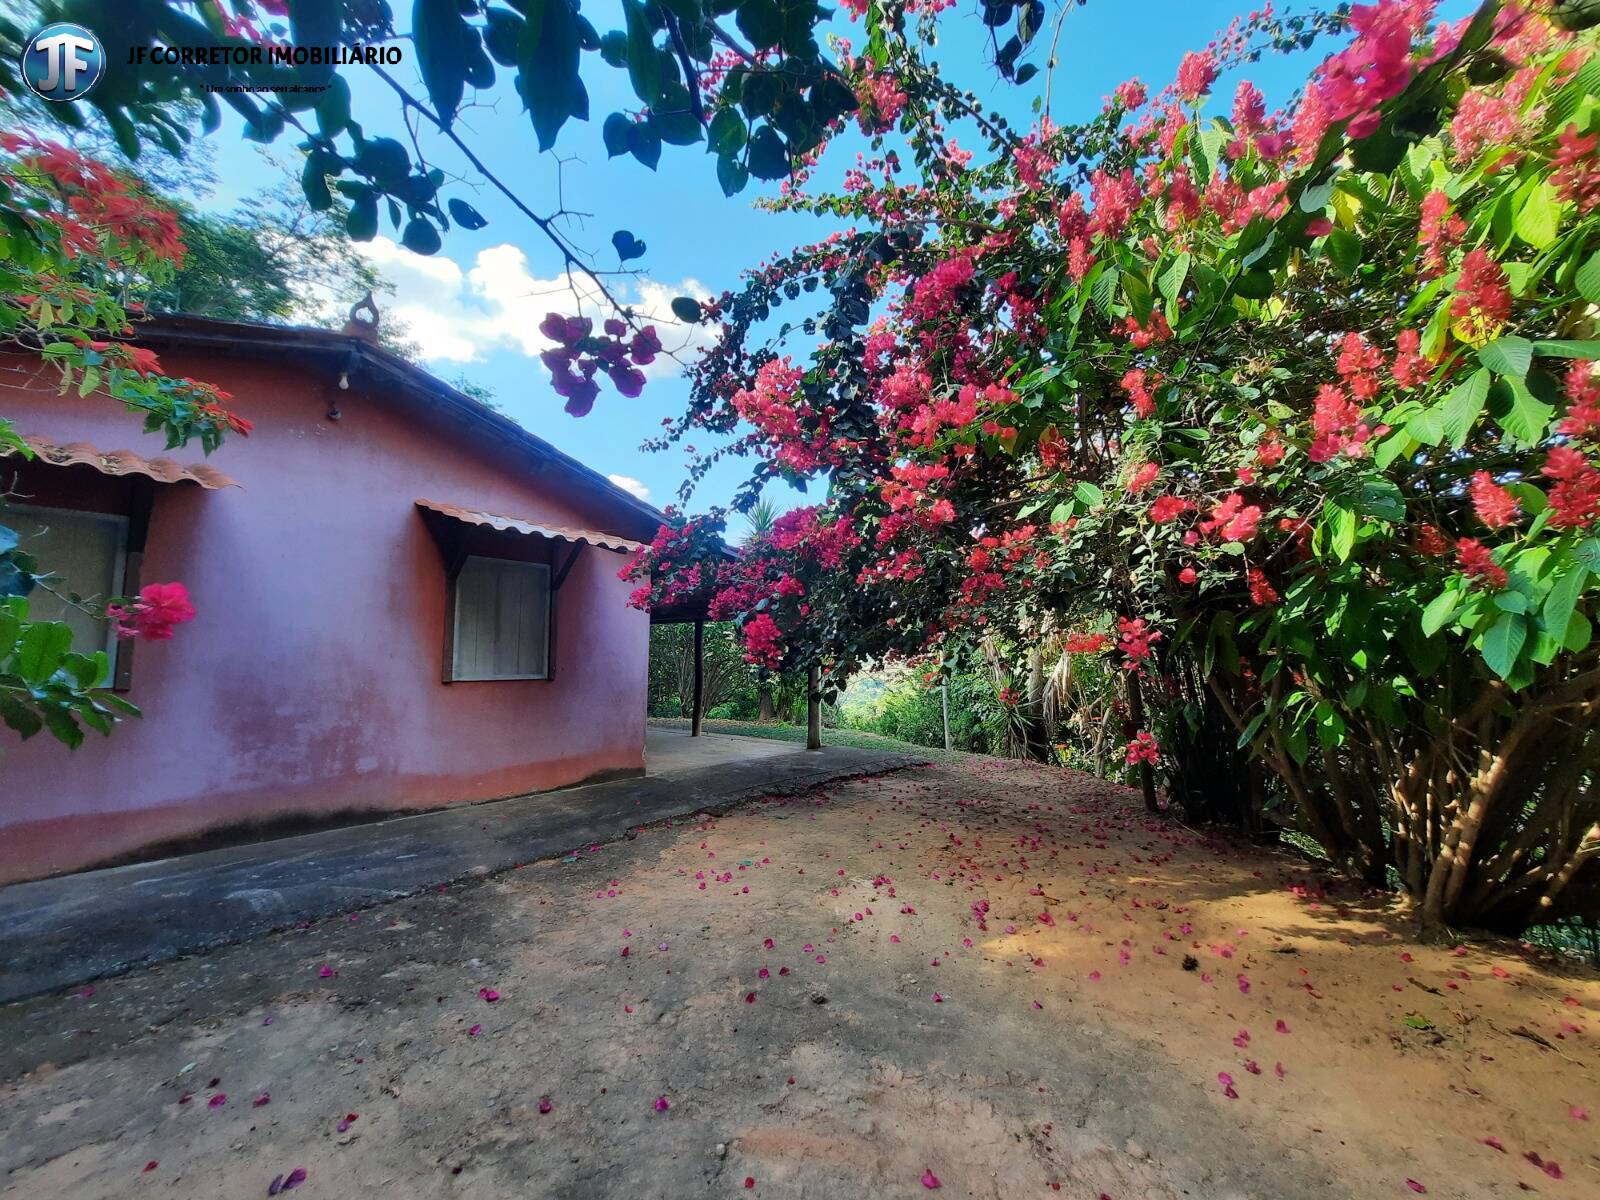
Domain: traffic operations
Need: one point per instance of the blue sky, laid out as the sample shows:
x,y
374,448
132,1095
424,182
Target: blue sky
x,y
473,307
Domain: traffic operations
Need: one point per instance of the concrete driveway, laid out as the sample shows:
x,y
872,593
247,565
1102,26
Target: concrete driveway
x,y
61,931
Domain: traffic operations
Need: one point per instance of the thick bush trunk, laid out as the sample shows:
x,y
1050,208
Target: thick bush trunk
x,y
1487,814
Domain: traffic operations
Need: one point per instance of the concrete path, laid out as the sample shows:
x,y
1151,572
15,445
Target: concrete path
x,y
62,931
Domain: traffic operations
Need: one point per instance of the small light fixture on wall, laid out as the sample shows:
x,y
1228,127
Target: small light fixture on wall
x,y
351,362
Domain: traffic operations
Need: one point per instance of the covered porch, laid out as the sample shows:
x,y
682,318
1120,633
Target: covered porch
x,y
694,613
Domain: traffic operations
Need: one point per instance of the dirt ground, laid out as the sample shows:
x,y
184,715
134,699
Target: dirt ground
x,y
984,980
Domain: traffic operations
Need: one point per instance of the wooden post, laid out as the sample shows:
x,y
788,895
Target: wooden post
x,y
699,707
944,701
1147,776
814,709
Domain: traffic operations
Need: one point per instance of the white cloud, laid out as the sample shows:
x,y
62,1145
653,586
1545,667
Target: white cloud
x,y
629,484
456,315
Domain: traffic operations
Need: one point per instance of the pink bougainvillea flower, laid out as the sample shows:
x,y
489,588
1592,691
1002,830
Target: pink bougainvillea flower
x,y
1226,1081
151,1166
1416,1187
1282,1026
768,943
662,1104
749,1182
488,994
326,972
1578,1114
262,1100
544,1104
475,1031
218,1100
1549,1168
153,613
1494,1143
930,1180
287,1183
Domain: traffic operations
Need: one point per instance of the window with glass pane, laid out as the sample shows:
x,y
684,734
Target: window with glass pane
x,y
84,553
502,620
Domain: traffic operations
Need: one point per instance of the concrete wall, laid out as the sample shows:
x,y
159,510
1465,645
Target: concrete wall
x,y
310,682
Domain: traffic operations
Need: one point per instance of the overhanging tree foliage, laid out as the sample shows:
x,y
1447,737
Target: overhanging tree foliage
x,y
1292,417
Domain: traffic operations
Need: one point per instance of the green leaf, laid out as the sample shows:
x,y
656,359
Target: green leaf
x,y
1344,251
333,107
1539,218
1567,349
762,22
672,118
1172,279
41,649
686,309
1341,525
732,175
63,727
314,184
1089,494
1587,552
19,717
501,35
1503,643
385,160
1526,417
420,236
1427,426
547,77
645,143
1563,598
1587,280
1251,730
616,133
644,64
1439,611
362,220
626,245
1509,355
727,134
465,215
1464,405
440,35
1104,290
768,157
1316,196
1580,632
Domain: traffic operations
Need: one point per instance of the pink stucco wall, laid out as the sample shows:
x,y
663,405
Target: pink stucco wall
x,y
311,679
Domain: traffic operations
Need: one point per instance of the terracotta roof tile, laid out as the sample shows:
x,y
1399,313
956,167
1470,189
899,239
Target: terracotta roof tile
x,y
124,462
609,541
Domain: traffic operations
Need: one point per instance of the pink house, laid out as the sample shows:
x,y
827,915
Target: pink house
x,y
405,600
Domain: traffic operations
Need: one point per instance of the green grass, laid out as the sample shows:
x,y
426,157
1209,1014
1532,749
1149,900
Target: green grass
x,y
830,737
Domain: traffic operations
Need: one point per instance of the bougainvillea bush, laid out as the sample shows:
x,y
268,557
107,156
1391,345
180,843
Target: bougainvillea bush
x,y
78,235
1289,416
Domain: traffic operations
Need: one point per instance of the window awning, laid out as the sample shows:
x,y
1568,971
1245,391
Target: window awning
x,y
122,462
488,520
